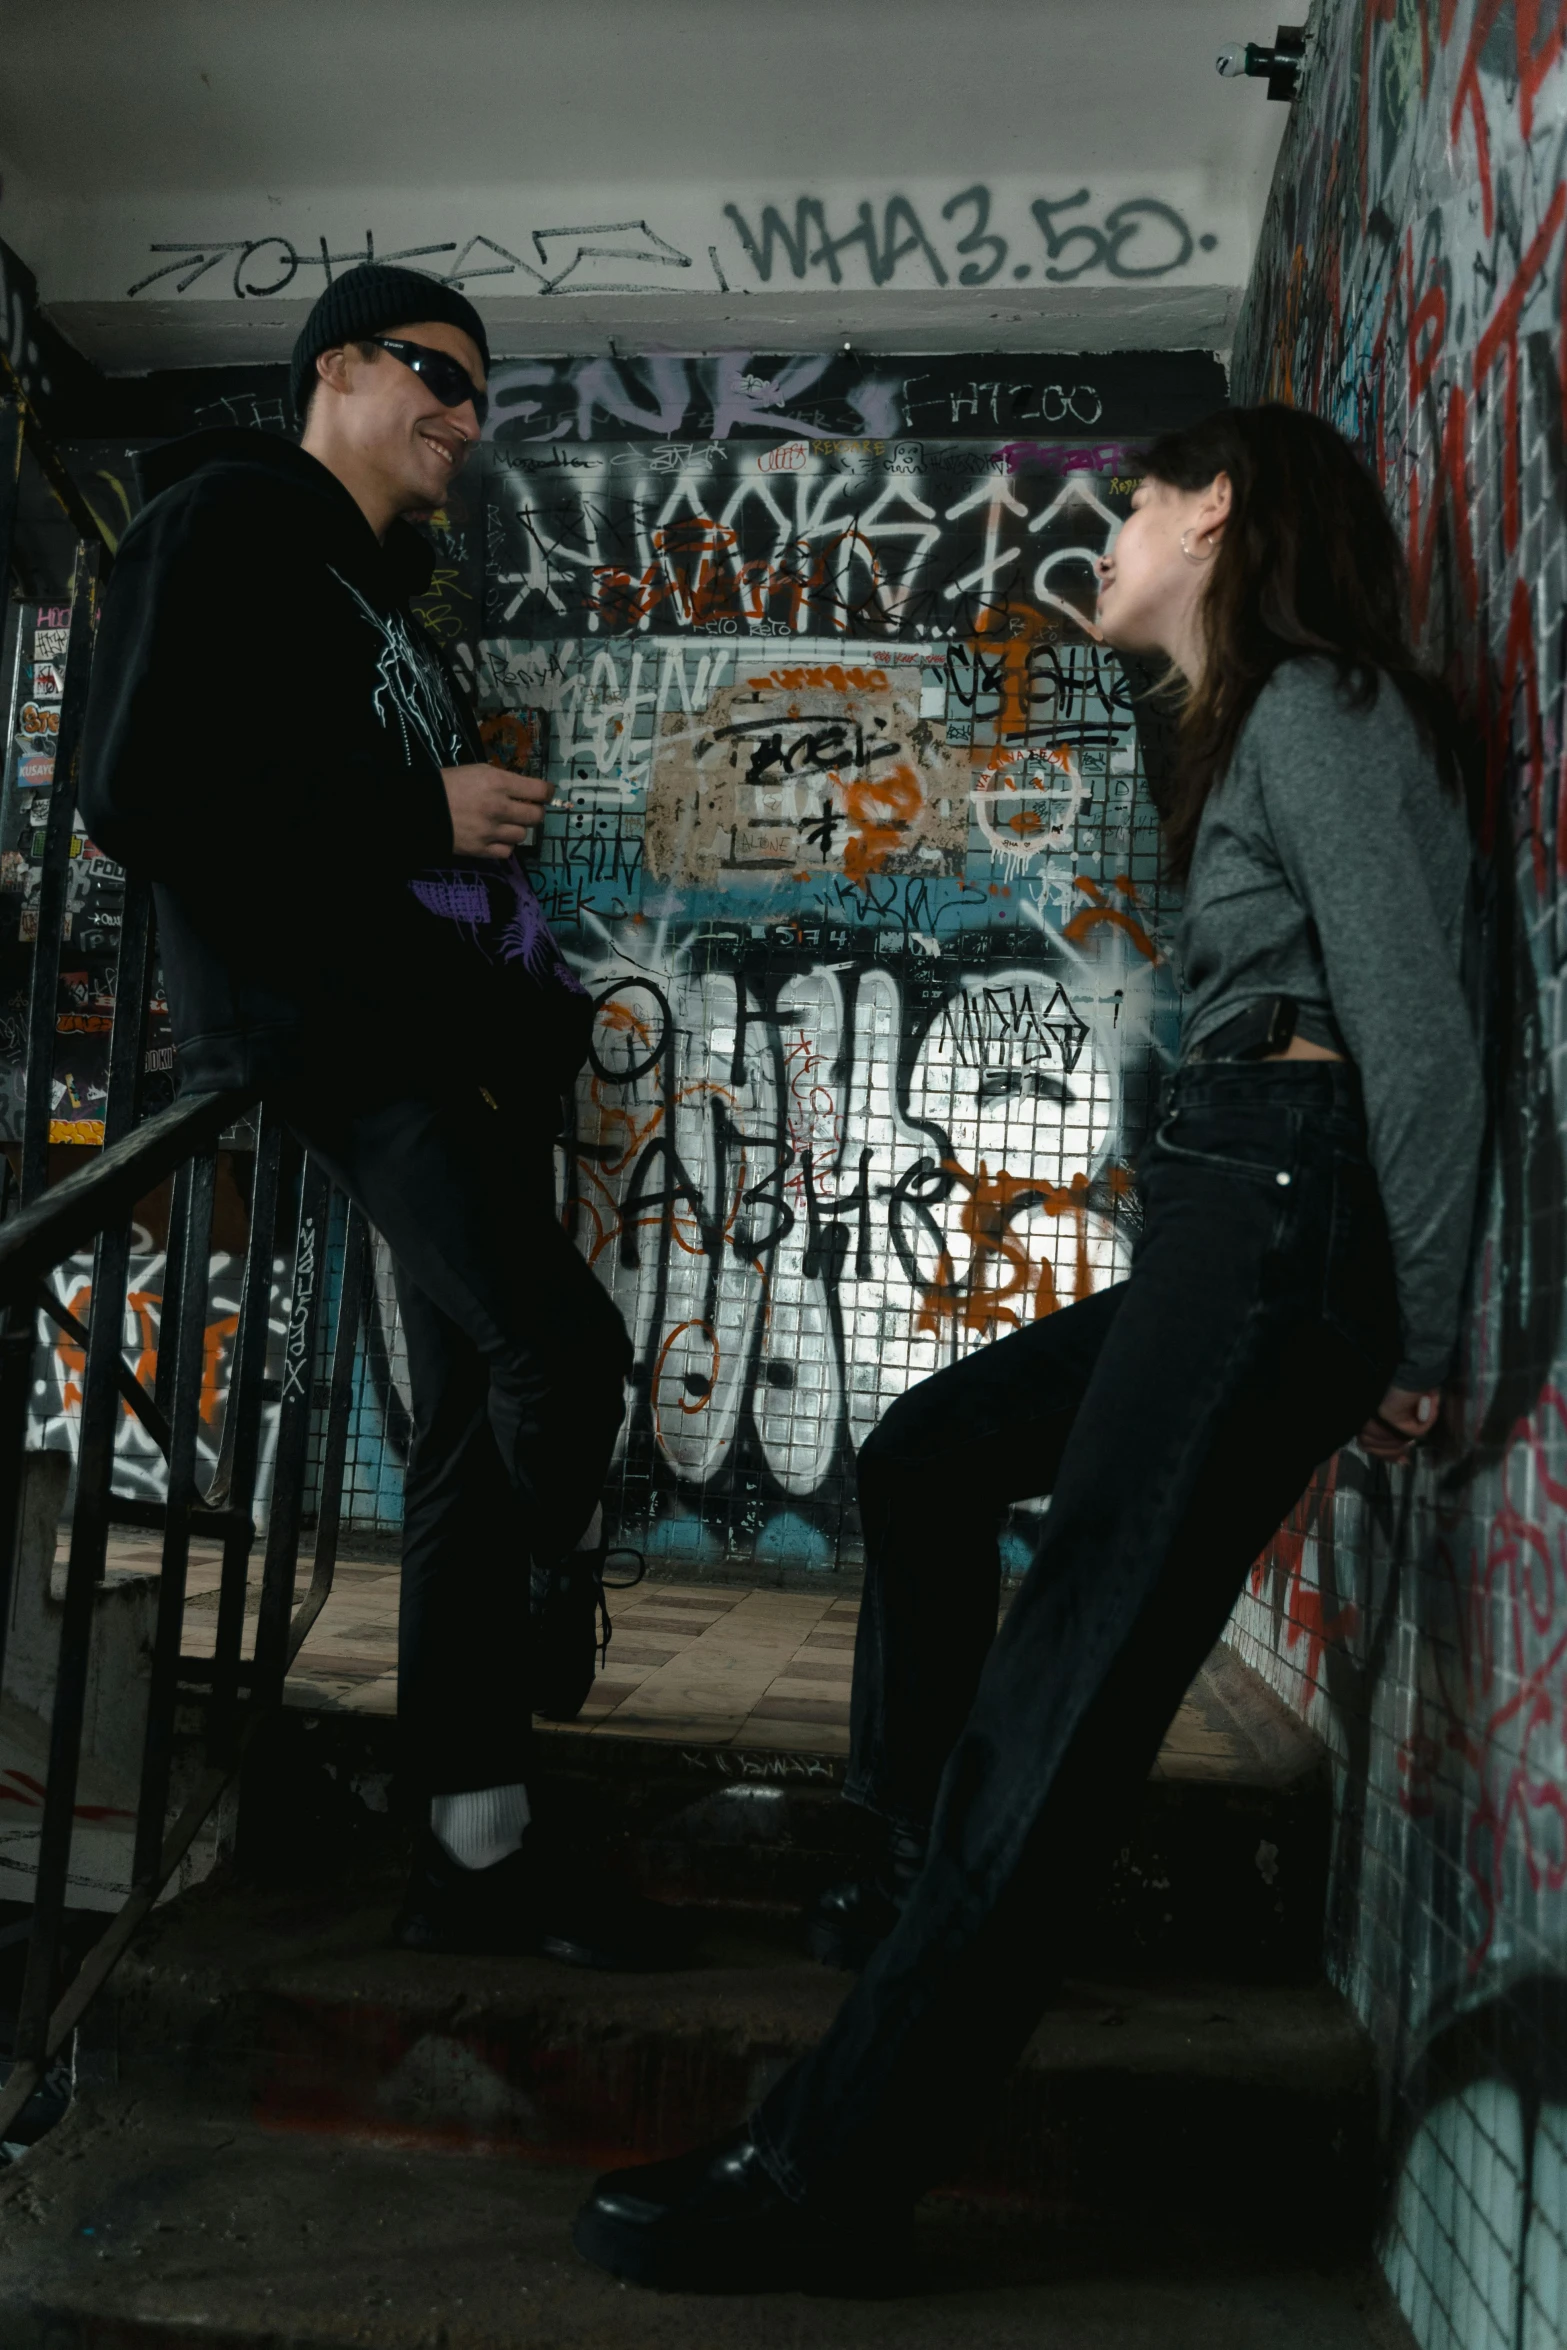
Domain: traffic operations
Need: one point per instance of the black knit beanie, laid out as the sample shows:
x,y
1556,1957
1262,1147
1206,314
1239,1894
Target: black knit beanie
x,y
371,300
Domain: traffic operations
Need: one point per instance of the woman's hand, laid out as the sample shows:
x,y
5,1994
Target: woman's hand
x,y
1401,1419
492,809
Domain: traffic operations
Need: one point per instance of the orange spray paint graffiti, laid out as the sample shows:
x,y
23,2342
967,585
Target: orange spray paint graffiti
x,y
880,807
1005,1286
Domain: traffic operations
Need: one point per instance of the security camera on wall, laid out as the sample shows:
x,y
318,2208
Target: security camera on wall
x,y
1280,65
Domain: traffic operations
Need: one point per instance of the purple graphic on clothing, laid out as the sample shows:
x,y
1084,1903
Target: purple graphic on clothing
x,y
455,897
495,904
497,907
529,937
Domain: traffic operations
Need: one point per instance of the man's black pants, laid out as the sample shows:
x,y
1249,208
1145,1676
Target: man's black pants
x,y
516,1362
1173,1419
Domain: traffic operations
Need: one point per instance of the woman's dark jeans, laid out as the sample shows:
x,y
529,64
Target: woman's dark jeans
x,y
1173,1419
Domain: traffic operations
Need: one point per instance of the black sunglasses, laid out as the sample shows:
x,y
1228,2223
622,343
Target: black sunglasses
x,y
451,383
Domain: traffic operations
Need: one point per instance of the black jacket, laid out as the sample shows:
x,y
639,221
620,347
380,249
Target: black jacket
x,y
265,733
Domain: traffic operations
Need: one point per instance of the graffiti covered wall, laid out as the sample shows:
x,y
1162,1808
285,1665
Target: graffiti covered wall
x,y
1409,287
851,844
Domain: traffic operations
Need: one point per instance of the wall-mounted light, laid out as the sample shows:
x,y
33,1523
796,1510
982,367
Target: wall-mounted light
x,y
1281,64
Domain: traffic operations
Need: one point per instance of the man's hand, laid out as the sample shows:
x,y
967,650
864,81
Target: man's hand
x,y
492,809
1401,1419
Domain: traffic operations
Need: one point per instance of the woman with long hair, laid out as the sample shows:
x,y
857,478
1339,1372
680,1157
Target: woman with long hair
x,y
1295,1286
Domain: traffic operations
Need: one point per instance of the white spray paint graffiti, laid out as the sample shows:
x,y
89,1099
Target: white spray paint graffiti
x,y
851,1117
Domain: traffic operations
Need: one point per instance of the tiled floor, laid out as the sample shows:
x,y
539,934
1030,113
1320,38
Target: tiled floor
x,y
714,1663
707,1664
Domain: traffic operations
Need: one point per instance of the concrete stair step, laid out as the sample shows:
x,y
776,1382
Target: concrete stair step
x,y
141,2225
1245,2108
1223,1871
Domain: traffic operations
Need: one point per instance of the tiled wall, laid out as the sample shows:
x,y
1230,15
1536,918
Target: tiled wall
x,y
1409,287
851,847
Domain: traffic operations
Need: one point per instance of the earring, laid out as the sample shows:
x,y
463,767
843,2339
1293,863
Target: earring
x,y
1186,550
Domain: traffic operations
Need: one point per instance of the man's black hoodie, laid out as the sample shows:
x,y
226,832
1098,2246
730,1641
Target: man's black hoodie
x,y
265,734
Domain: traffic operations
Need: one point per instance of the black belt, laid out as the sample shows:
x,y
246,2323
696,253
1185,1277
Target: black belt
x,y
1265,1027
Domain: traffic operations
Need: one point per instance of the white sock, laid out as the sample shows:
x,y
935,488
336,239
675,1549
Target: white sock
x,y
480,1828
595,1533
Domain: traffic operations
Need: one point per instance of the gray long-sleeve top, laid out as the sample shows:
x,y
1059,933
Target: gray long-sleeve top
x,y
1331,865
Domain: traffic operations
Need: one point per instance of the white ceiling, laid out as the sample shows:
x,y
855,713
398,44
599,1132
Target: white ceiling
x,y
179,94
142,123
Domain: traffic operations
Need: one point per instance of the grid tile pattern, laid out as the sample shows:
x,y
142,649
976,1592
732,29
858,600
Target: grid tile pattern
x,y
833,1135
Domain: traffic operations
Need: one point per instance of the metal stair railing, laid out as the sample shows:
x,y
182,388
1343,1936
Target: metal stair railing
x,y
297,1224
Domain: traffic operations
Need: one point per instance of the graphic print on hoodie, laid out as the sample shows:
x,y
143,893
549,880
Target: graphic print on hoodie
x,y
492,902
266,727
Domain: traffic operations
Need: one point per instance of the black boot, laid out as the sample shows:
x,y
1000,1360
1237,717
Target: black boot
x,y
714,2221
534,1900
567,1606
846,1922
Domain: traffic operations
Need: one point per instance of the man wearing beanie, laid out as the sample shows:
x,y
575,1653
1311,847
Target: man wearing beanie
x,y
345,926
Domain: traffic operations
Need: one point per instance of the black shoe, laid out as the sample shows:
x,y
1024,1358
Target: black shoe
x,y
567,1606
847,1922
714,2221
528,1902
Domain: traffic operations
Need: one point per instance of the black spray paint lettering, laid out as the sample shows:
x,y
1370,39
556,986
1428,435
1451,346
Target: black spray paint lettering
x,y
652,249
981,1027
816,747
977,240
902,234
795,1127
263,267
1132,228
1140,237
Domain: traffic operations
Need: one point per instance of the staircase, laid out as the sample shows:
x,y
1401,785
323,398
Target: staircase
x,y
288,2136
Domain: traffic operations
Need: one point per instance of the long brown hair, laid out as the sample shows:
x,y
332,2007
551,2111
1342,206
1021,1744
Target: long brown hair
x,y
1308,563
